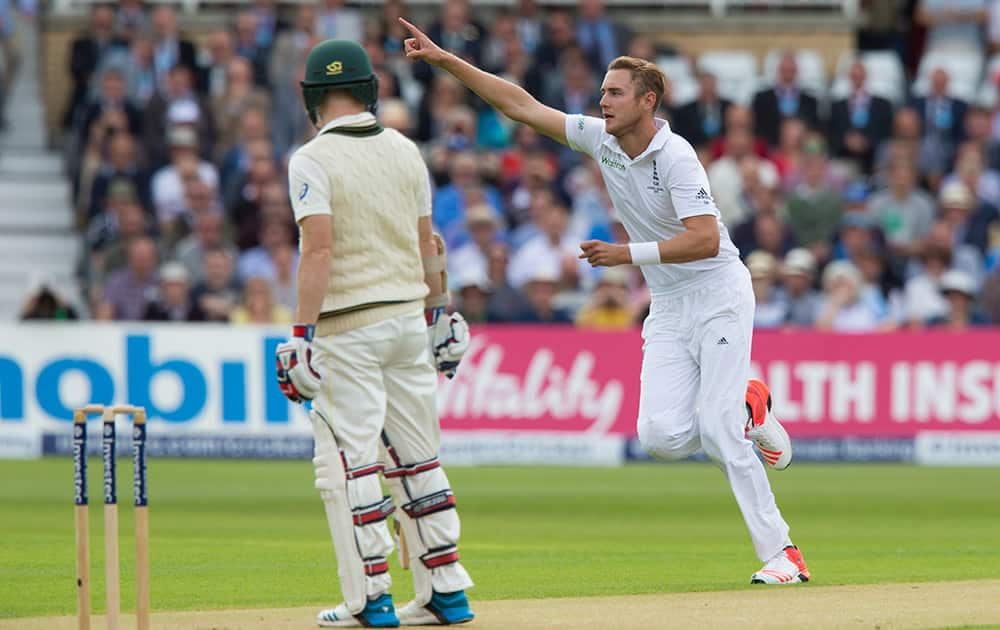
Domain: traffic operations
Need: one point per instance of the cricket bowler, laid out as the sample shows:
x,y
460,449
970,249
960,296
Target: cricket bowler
x,y
696,339
371,320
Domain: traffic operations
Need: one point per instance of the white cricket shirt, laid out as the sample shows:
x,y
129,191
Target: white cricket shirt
x,y
653,194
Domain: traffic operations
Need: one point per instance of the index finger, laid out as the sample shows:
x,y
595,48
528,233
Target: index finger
x,y
416,32
587,244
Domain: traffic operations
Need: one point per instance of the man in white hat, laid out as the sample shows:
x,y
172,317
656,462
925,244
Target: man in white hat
x,y
798,273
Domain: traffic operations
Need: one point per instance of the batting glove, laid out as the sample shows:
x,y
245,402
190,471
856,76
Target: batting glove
x,y
448,336
297,379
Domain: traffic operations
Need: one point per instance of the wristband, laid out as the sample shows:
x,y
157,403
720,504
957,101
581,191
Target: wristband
x,y
431,315
645,253
305,331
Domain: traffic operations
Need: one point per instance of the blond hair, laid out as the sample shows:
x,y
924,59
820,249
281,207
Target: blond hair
x,y
646,76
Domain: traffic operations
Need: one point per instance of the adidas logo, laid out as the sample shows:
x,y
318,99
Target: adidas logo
x,y
722,342
703,195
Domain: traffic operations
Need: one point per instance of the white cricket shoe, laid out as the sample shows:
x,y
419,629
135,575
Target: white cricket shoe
x,y
444,609
786,567
764,429
413,614
378,613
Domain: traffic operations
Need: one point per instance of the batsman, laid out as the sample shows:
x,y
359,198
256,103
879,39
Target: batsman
x,y
372,333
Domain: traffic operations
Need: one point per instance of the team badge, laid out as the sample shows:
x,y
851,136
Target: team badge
x,y
334,68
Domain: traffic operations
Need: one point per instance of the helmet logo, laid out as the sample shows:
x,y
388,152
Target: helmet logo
x,y
334,68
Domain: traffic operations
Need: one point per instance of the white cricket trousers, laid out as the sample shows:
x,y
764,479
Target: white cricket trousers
x,y
695,366
379,402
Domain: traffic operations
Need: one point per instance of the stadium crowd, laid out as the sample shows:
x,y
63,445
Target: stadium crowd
x,y
853,214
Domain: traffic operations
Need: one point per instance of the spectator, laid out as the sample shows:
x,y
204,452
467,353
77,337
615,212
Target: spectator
x,y
554,249
540,289
335,21
218,293
907,143
86,54
953,25
923,301
970,169
573,89
131,20
168,183
841,308
292,45
213,68
857,229
259,261
772,307
245,195
959,289
703,120
798,273
785,100
239,97
537,178
169,49
726,175
456,32
268,205
502,36
860,122
258,306
110,232
739,117
529,25
970,221
451,200
268,20
248,47
599,37
139,73
903,211
122,163
391,32
814,206
290,124
608,307
991,297
46,302
110,101
787,157
209,233
235,160
177,105
943,117
394,114
979,131
881,286
505,304
445,93
764,230
560,34
173,303
473,294
483,226
284,285
129,290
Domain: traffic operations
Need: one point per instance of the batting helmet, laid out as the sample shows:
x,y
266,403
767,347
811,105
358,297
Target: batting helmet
x,y
339,64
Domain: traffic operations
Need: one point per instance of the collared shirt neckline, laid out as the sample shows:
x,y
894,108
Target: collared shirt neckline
x,y
657,143
350,120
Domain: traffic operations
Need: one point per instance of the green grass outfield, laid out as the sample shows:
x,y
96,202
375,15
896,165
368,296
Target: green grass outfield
x,y
234,534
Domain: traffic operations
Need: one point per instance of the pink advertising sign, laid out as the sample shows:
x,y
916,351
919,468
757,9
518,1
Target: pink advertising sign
x,y
558,379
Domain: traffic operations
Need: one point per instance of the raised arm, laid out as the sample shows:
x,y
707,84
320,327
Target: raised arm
x,y
510,99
